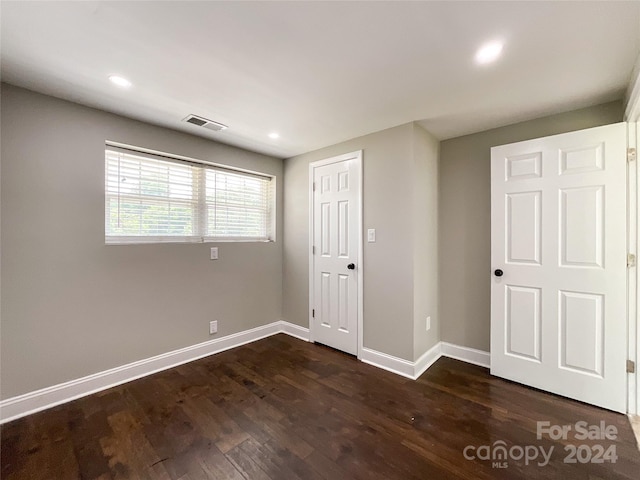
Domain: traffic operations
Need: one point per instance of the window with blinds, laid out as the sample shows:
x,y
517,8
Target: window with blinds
x,y
151,198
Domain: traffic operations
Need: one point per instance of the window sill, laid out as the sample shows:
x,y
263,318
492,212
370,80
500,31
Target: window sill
x,y
163,240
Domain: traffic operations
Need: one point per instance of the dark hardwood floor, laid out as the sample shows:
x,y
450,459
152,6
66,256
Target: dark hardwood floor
x,y
281,408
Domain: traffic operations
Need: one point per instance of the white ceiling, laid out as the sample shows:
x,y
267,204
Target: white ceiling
x,y
323,72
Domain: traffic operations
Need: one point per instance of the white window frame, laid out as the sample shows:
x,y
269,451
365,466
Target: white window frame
x,y
197,237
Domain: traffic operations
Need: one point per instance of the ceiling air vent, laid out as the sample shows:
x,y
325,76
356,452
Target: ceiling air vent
x,y
204,122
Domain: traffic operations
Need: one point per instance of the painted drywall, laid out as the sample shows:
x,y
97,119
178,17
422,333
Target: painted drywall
x,y
71,305
465,218
388,283
425,241
396,163
632,95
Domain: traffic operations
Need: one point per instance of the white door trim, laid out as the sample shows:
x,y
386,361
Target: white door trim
x,y
635,319
633,379
357,158
632,114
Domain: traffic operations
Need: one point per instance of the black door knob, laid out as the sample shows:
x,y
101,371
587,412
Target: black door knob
x,y
351,266
498,273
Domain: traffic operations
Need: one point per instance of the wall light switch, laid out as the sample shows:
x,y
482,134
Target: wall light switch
x,y
428,323
214,253
371,235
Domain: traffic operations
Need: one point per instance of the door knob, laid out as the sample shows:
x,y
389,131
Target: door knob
x,y
351,266
498,273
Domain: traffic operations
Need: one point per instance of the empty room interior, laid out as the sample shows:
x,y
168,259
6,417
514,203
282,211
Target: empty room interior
x,y
319,240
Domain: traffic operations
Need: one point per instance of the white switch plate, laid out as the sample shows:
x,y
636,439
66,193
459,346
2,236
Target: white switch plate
x,y
213,327
428,323
214,253
371,235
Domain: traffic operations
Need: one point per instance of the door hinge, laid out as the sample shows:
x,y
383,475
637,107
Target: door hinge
x,y
631,366
313,250
314,186
631,260
313,313
631,154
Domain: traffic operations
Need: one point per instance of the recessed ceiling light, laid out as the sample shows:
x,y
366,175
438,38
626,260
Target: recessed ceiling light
x,y
489,52
120,81
274,135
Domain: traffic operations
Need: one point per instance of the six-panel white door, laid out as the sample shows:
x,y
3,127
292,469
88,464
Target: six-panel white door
x,y
558,228
335,237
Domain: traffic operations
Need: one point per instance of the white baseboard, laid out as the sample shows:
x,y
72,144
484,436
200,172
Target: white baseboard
x,y
32,402
413,370
427,359
466,354
396,365
295,330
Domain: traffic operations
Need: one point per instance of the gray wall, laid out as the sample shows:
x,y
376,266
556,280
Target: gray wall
x,y
388,263
465,216
72,306
400,268
425,241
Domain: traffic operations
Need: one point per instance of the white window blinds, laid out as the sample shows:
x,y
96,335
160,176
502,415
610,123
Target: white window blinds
x,y
151,198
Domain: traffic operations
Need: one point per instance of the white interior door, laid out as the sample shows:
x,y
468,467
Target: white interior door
x,y
335,251
558,228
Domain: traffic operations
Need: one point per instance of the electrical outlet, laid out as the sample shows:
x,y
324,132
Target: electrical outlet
x,y
213,327
428,323
214,253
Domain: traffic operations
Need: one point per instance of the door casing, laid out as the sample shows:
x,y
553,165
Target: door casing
x,y
633,235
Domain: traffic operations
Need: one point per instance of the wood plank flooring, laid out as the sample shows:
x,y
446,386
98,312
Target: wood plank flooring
x,y
281,408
